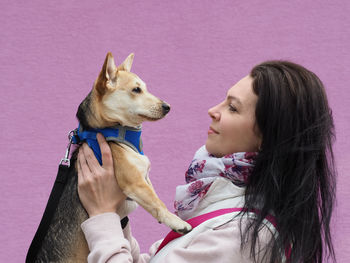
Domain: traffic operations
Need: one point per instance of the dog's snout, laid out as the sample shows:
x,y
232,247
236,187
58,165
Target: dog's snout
x,y
166,108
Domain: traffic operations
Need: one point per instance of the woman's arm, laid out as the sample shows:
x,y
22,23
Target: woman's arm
x,y
108,242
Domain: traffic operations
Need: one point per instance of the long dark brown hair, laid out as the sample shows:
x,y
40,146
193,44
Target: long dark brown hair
x,y
294,176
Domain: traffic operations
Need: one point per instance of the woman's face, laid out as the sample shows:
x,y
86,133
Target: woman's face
x,y
233,121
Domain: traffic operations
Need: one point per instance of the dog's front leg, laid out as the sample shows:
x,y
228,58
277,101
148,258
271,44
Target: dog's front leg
x,y
131,173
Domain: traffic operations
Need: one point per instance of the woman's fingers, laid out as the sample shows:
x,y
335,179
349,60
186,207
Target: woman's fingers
x,y
107,160
80,172
85,170
91,160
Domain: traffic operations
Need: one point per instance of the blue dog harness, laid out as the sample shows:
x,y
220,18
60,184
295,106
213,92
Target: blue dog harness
x,y
120,134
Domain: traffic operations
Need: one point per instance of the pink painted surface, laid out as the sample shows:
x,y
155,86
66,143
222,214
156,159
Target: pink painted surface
x,y
188,52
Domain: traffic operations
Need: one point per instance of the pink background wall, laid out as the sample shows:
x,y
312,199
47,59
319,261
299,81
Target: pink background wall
x,y
188,52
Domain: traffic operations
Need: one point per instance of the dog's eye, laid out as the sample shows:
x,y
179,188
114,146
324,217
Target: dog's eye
x,y
136,90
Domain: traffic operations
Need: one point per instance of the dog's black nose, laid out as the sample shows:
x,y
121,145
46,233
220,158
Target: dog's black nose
x,y
166,108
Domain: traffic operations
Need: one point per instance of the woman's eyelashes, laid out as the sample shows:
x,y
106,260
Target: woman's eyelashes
x,y
232,108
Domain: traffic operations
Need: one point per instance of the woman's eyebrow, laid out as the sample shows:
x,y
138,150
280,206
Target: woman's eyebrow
x,y
229,97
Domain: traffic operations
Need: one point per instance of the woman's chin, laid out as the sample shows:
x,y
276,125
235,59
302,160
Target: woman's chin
x,y
211,149
208,147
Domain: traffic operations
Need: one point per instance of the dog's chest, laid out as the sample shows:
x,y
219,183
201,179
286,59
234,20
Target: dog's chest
x,y
140,162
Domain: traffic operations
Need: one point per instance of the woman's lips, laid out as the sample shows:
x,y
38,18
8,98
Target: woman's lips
x,y
212,131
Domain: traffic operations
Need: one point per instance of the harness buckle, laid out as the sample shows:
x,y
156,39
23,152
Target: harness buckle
x,y
66,160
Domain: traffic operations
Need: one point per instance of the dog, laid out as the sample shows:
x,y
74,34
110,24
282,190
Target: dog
x,y
118,97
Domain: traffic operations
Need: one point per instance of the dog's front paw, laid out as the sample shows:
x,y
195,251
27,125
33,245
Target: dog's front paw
x,y
177,224
186,228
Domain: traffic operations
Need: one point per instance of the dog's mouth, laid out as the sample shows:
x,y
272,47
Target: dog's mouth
x,y
149,118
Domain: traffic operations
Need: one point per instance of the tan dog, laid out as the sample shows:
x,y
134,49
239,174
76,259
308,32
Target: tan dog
x,y
118,97
121,97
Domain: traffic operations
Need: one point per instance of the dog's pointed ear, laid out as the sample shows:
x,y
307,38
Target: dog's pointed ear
x,y
108,75
126,65
109,68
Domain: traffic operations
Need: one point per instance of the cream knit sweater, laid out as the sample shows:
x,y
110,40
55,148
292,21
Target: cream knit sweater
x,y
215,240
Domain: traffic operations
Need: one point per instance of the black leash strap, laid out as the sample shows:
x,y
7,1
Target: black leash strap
x,y
51,206
52,203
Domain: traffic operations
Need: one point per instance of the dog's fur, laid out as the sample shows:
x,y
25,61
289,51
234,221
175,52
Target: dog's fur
x,y
118,97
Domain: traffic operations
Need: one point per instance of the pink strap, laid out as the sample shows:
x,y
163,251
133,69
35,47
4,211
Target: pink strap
x,y
201,218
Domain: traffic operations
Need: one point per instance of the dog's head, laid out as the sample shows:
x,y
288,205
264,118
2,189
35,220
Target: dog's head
x,y
120,96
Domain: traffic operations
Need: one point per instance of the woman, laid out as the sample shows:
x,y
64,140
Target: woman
x,y
268,152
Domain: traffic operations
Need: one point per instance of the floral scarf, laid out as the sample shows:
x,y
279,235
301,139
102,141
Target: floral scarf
x,y
203,170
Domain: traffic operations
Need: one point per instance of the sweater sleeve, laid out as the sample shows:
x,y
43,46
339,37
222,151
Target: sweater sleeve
x,y
108,242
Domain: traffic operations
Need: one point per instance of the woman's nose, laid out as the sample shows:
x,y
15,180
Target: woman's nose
x,y
214,113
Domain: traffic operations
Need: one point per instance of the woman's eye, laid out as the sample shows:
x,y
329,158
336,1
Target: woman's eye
x,y
232,108
136,90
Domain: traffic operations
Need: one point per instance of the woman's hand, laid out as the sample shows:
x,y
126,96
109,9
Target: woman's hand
x,y
97,186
